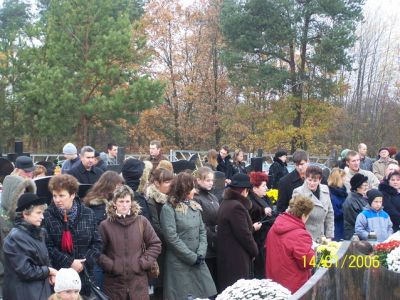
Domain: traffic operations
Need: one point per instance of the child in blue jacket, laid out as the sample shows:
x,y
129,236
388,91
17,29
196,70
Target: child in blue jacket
x,y
374,218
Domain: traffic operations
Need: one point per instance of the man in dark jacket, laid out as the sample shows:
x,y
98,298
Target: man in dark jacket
x,y
86,172
155,153
225,162
278,169
292,180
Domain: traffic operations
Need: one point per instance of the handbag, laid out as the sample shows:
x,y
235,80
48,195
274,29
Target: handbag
x,y
95,292
154,271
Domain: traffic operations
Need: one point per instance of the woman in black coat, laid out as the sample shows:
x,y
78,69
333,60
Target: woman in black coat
x,y
26,260
261,210
238,165
278,169
210,205
391,198
236,246
73,240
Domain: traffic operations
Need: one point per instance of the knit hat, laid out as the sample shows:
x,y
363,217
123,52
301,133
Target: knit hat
x,y
70,149
27,200
372,194
344,153
280,153
67,279
240,181
132,170
357,180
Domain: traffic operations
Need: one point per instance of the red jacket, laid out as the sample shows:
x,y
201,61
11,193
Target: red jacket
x,y
289,251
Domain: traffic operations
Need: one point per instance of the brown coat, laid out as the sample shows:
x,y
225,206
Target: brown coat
x,y
122,260
236,245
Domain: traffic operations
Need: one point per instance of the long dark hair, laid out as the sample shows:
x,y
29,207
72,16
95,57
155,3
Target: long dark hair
x,y
104,187
181,186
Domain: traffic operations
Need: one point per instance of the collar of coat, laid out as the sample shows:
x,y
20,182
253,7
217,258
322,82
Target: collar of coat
x,y
111,211
231,195
183,207
154,193
98,201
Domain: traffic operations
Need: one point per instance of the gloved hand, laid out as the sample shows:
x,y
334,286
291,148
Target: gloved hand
x,y
199,260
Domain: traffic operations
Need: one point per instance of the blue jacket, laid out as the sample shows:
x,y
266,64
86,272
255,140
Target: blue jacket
x,y
338,196
371,220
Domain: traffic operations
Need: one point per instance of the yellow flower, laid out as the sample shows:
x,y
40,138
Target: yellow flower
x,y
273,195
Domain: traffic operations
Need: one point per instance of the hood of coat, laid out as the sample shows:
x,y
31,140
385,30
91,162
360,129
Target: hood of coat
x,y
338,191
154,193
16,186
231,195
226,159
287,222
112,211
386,188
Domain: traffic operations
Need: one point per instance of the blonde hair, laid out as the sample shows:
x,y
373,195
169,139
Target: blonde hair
x,y
165,164
144,180
212,155
336,178
202,173
300,205
56,297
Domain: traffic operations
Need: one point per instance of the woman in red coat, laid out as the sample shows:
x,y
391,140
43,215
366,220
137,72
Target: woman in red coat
x,y
289,246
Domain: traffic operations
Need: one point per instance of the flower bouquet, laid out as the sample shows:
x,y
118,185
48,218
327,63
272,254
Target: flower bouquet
x,y
273,195
382,250
327,254
254,289
393,260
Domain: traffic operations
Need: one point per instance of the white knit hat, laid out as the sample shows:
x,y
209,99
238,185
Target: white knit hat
x,y
67,279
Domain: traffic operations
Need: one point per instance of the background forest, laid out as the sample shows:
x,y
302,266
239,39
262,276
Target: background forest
x,y
315,74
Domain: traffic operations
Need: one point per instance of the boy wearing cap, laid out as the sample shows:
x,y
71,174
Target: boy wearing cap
x,y
379,167
72,159
374,218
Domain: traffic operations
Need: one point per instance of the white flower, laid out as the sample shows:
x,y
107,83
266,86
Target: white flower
x,y
393,260
254,289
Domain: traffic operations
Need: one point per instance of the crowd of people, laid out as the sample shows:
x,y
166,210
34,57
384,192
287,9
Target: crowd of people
x,y
145,232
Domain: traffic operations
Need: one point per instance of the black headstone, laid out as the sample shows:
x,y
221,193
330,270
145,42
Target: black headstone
x,y
256,163
182,165
83,189
19,147
42,188
121,155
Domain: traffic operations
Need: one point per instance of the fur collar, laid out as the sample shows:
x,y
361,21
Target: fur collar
x,y
231,195
182,207
154,193
112,213
98,201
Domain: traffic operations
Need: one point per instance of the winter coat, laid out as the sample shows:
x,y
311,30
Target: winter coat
x,y
86,240
210,205
285,189
289,252
225,166
26,263
236,245
366,163
155,160
321,219
155,201
371,220
276,171
352,206
379,167
391,203
239,168
186,239
70,164
123,261
373,182
84,176
257,213
338,196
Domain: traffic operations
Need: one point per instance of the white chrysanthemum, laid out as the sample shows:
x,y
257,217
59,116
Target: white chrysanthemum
x,y
254,289
393,260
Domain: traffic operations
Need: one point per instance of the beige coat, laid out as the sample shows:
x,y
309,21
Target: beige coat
x,y
321,220
379,167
